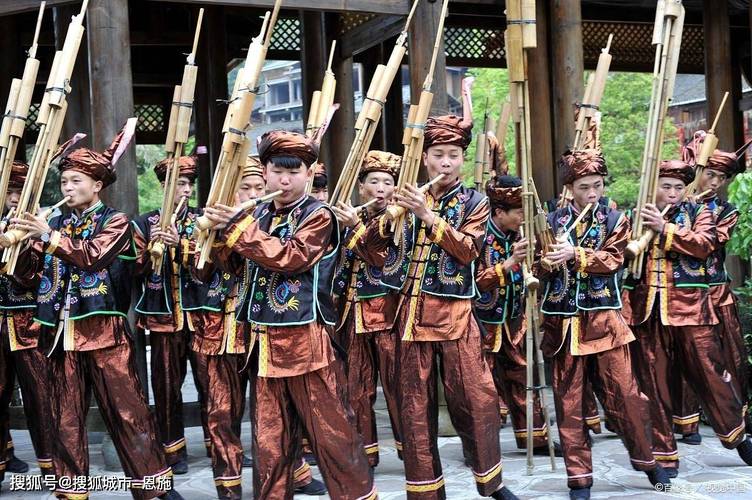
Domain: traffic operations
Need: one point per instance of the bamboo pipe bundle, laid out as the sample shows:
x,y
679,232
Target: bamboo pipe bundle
x,y
636,247
177,135
17,110
50,120
520,28
369,116
667,33
395,212
322,99
502,126
709,144
253,203
14,236
414,135
236,143
481,159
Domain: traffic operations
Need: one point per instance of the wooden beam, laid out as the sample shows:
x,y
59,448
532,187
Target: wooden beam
x,y
399,7
211,95
421,39
541,118
12,7
370,59
567,69
112,93
370,33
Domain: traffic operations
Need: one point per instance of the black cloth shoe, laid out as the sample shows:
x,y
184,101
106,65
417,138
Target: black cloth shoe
x,y
672,472
247,461
172,495
580,493
745,451
658,477
314,488
542,451
503,493
180,467
310,458
693,439
16,465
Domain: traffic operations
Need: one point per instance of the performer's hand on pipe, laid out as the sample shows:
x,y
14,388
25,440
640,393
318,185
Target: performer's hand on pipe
x,y
519,252
169,237
346,214
221,215
561,253
413,199
34,225
652,218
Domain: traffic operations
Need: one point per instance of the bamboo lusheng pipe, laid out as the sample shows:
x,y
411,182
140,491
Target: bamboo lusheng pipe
x,y
636,247
322,99
177,135
370,115
17,110
158,248
50,120
520,30
236,143
13,236
396,212
247,205
709,144
667,33
414,135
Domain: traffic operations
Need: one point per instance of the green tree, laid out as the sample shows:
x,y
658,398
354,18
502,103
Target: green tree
x,y
624,109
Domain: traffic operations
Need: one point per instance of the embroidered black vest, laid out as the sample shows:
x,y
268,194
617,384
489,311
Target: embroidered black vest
x,y
278,299
716,264
500,304
106,292
441,274
568,290
368,280
158,297
13,296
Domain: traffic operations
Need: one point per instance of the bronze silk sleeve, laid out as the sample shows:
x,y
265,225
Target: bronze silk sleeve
x,y
306,247
610,257
100,251
463,244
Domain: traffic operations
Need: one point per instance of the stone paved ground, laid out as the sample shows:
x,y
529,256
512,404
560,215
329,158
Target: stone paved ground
x,y
708,471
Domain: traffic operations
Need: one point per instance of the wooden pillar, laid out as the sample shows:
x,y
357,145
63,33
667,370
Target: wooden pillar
x,y
78,116
344,119
541,121
111,93
721,75
211,94
421,41
567,69
314,56
392,121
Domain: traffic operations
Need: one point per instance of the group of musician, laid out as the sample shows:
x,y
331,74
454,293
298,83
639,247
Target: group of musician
x,y
306,307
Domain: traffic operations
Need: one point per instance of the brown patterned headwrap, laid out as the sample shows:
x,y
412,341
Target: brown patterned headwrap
x,y
501,196
253,167
320,178
677,169
18,173
723,161
497,156
186,168
284,143
448,129
381,161
574,165
98,166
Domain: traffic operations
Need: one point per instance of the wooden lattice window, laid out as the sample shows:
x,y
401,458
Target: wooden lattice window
x,y
469,44
352,20
151,118
31,118
286,34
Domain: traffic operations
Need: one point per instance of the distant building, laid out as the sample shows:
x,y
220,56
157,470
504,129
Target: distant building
x,y
280,100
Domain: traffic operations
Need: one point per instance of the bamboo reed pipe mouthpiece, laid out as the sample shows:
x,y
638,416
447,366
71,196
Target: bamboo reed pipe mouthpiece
x,y
395,211
203,223
157,250
10,238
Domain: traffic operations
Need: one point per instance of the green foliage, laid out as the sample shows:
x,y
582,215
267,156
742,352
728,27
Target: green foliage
x,y
624,117
740,194
744,308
